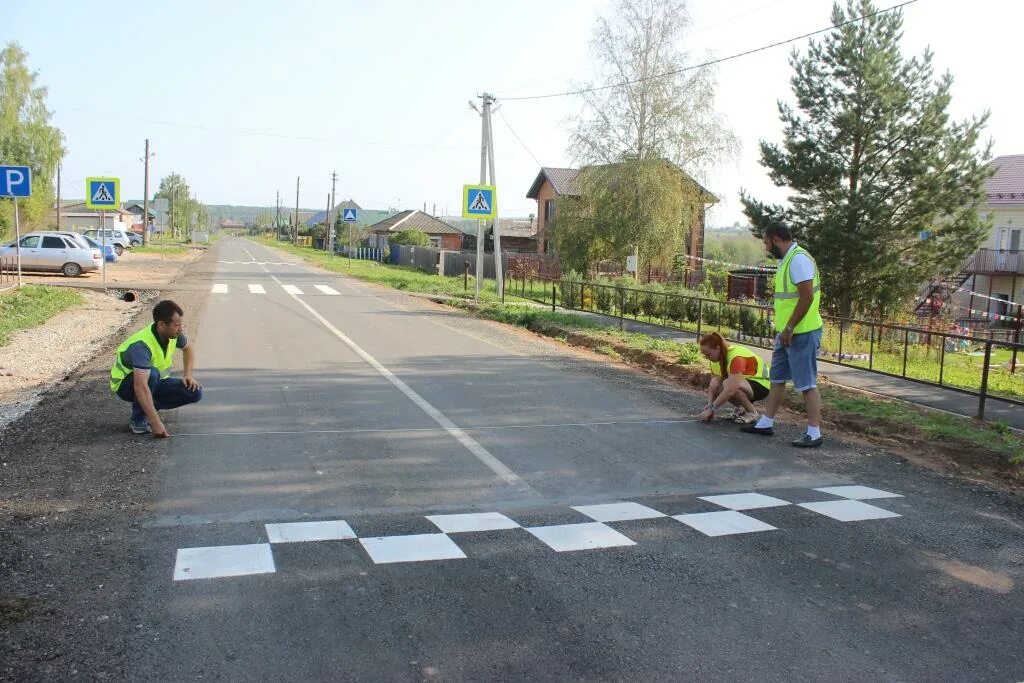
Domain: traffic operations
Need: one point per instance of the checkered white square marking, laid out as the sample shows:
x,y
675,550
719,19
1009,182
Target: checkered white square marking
x,y
586,536
723,523
618,512
294,532
223,560
476,521
848,510
328,290
746,501
858,492
414,548
257,289
219,289
292,289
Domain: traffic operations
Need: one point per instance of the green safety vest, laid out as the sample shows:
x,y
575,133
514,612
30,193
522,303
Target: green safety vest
x,y
786,296
161,360
761,374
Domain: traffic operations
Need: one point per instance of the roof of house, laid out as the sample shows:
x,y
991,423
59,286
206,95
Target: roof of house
x,y
516,228
1007,185
414,220
321,216
563,180
79,209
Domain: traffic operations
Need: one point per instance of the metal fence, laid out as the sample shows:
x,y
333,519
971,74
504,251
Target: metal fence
x,y
361,253
973,365
8,269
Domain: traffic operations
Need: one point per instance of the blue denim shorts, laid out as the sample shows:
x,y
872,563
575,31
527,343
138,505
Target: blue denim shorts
x,y
797,362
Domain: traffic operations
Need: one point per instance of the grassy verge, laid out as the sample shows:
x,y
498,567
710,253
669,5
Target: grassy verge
x,y
856,412
399,277
32,305
162,249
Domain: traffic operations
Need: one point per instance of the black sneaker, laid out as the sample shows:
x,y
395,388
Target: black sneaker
x,y
140,426
754,429
806,441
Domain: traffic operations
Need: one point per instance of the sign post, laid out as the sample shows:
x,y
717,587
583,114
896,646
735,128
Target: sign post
x,y
103,194
480,202
15,182
350,216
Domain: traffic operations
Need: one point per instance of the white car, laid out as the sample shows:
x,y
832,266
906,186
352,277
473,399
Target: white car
x,y
51,251
119,238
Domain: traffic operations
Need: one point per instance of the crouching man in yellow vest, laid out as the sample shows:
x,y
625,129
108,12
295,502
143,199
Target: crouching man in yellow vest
x,y
142,368
740,378
799,326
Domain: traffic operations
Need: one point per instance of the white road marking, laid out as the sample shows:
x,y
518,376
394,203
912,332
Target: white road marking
x,y
223,560
723,523
295,532
746,501
327,290
857,492
285,432
618,512
482,454
257,289
292,289
587,536
473,521
414,548
848,510
219,289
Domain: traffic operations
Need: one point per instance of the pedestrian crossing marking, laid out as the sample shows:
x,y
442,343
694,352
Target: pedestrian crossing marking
x,y
223,561
220,289
257,289
292,289
327,290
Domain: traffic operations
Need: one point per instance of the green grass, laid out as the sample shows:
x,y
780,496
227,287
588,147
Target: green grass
x,y
404,278
163,249
32,305
992,436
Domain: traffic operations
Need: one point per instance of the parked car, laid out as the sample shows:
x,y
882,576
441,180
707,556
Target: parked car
x,y
119,238
135,238
49,251
110,253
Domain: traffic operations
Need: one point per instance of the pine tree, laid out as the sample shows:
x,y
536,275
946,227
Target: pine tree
x,y
885,187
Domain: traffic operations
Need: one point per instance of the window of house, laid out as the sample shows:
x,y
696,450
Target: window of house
x,y
549,210
435,242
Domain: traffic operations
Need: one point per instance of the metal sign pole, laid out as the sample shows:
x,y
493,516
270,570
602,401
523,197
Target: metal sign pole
x,y
103,253
479,258
17,240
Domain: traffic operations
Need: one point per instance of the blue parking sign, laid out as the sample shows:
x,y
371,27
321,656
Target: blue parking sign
x,y
15,181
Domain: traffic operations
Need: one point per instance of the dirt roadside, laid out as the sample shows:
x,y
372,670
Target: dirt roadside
x,y
72,500
138,269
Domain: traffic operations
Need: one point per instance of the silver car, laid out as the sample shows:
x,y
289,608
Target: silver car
x,y
50,251
116,237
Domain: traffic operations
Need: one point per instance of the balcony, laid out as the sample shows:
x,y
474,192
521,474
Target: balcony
x,y
995,262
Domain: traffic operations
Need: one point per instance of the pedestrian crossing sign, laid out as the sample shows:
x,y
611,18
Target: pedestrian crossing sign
x,y
103,193
479,201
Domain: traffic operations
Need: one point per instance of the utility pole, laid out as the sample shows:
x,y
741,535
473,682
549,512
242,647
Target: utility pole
x,y
277,215
58,196
487,164
330,215
295,228
146,237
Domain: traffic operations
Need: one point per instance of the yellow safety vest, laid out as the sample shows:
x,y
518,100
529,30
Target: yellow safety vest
x,y
161,361
786,296
760,375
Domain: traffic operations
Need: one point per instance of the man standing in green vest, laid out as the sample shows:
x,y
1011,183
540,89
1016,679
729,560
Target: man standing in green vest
x,y
142,371
799,326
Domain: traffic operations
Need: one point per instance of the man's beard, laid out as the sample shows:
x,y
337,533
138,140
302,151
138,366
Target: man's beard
x,y
775,251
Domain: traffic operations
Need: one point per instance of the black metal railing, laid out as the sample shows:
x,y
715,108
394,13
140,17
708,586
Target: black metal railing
x,y
972,364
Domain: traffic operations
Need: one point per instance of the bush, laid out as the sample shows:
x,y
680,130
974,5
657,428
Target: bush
x,y
411,238
605,297
652,301
571,286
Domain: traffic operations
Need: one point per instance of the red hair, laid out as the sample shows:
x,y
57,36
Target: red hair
x,y
715,340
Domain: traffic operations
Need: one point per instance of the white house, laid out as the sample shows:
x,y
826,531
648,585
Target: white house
x,y
996,270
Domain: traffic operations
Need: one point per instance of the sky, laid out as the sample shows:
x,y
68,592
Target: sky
x,y
243,97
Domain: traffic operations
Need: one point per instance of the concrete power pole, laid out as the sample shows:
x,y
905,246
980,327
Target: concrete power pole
x,y
295,228
330,216
146,237
277,215
58,196
487,163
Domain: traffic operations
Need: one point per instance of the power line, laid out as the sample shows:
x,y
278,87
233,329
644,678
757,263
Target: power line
x,y
516,136
712,62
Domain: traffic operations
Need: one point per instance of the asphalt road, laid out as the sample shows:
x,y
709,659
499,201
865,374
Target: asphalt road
x,y
387,420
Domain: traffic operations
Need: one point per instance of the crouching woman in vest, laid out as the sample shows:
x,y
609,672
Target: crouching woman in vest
x,y
142,369
740,378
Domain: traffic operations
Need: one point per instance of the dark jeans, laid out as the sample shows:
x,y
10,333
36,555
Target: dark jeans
x,y
167,393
